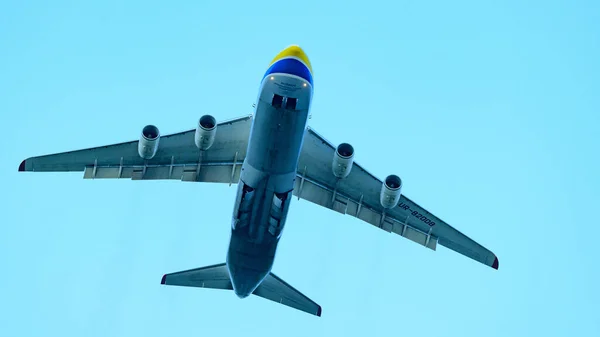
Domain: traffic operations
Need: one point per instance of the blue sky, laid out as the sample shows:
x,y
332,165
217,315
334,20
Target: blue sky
x,y
487,110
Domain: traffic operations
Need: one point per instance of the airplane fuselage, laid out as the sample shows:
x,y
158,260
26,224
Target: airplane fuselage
x,y
268,173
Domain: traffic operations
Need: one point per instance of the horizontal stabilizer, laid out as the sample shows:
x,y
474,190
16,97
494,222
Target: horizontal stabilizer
x,y
217,277
214,277
275,289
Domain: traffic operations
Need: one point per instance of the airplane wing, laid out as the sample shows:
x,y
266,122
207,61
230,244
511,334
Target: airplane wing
x,y
358,195
177,157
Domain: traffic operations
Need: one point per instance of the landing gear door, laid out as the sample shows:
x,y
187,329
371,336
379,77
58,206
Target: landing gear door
x,y
278,213
243,206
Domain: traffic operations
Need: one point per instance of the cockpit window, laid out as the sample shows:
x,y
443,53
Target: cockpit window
x,y
291,103
277,101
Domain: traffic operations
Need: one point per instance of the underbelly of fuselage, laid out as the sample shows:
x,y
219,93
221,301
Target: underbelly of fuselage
x,y
266,181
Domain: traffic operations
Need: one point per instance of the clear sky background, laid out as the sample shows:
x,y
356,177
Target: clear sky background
x,y
489,112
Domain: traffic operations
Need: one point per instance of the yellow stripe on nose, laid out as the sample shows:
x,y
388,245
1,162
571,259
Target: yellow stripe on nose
x,y
293,51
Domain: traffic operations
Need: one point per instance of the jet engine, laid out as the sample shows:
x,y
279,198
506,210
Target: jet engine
x,y
342,160
390,191
205,132
148,144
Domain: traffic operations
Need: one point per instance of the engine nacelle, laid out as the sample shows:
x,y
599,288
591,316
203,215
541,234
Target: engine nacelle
x,y
342,160
205,132
148,144
390,191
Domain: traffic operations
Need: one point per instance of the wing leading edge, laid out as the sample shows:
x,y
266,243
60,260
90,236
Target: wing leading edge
x,y
358,195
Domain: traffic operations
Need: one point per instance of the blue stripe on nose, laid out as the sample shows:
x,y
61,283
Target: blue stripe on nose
x,y
290,66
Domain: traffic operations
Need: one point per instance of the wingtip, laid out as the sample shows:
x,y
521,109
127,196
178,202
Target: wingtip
x,y
495,264
164,279
22,166
319,311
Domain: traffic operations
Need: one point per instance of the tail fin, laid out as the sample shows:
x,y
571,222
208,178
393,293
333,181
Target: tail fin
x,y
217,277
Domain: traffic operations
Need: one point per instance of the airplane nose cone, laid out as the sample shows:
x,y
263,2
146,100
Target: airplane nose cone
x,y
294,51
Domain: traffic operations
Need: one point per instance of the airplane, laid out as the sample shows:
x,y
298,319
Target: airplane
x,y
273,156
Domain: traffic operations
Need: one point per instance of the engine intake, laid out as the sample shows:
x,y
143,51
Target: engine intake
x,y
205,132
342,160
148,144
390,191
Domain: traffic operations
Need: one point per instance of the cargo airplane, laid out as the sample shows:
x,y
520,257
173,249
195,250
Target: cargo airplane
x,y
272,156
